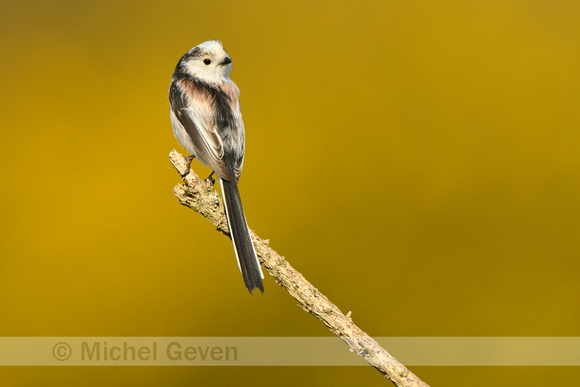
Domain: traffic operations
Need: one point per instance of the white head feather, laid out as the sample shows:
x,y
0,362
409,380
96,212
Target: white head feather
x,y
208,62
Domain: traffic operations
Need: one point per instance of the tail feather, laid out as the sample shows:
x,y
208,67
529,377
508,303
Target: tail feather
x,y
240,234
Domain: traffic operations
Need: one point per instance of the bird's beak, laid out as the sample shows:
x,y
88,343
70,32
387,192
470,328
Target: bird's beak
x,y
226,61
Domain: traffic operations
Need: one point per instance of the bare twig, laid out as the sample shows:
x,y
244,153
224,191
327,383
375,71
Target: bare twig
x,y
201,197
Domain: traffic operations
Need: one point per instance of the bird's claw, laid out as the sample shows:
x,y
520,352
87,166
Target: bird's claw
x,y
189,159
210,179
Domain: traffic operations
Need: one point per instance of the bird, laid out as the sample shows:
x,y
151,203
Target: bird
x,y
207,120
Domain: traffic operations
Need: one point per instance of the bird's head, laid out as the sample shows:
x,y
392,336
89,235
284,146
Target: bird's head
x,y
208,62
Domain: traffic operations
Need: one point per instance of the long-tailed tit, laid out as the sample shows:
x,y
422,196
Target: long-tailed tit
x,y
207,121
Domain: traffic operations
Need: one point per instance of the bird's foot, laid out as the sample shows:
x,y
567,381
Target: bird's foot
x,y
210,178
189,159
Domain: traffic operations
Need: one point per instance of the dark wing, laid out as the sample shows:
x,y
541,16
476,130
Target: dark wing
x,y
194,127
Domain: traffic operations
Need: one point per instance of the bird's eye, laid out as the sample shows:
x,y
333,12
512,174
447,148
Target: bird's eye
x,y
207,61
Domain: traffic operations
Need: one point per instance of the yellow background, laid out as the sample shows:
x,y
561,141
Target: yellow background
x,y
418,161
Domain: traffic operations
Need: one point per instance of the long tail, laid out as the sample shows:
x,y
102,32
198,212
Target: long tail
x,y
240,234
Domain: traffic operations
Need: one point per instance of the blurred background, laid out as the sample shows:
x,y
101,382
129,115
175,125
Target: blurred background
x,y
417,161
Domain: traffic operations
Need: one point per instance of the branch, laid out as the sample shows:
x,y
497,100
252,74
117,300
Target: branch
x,y
200,196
